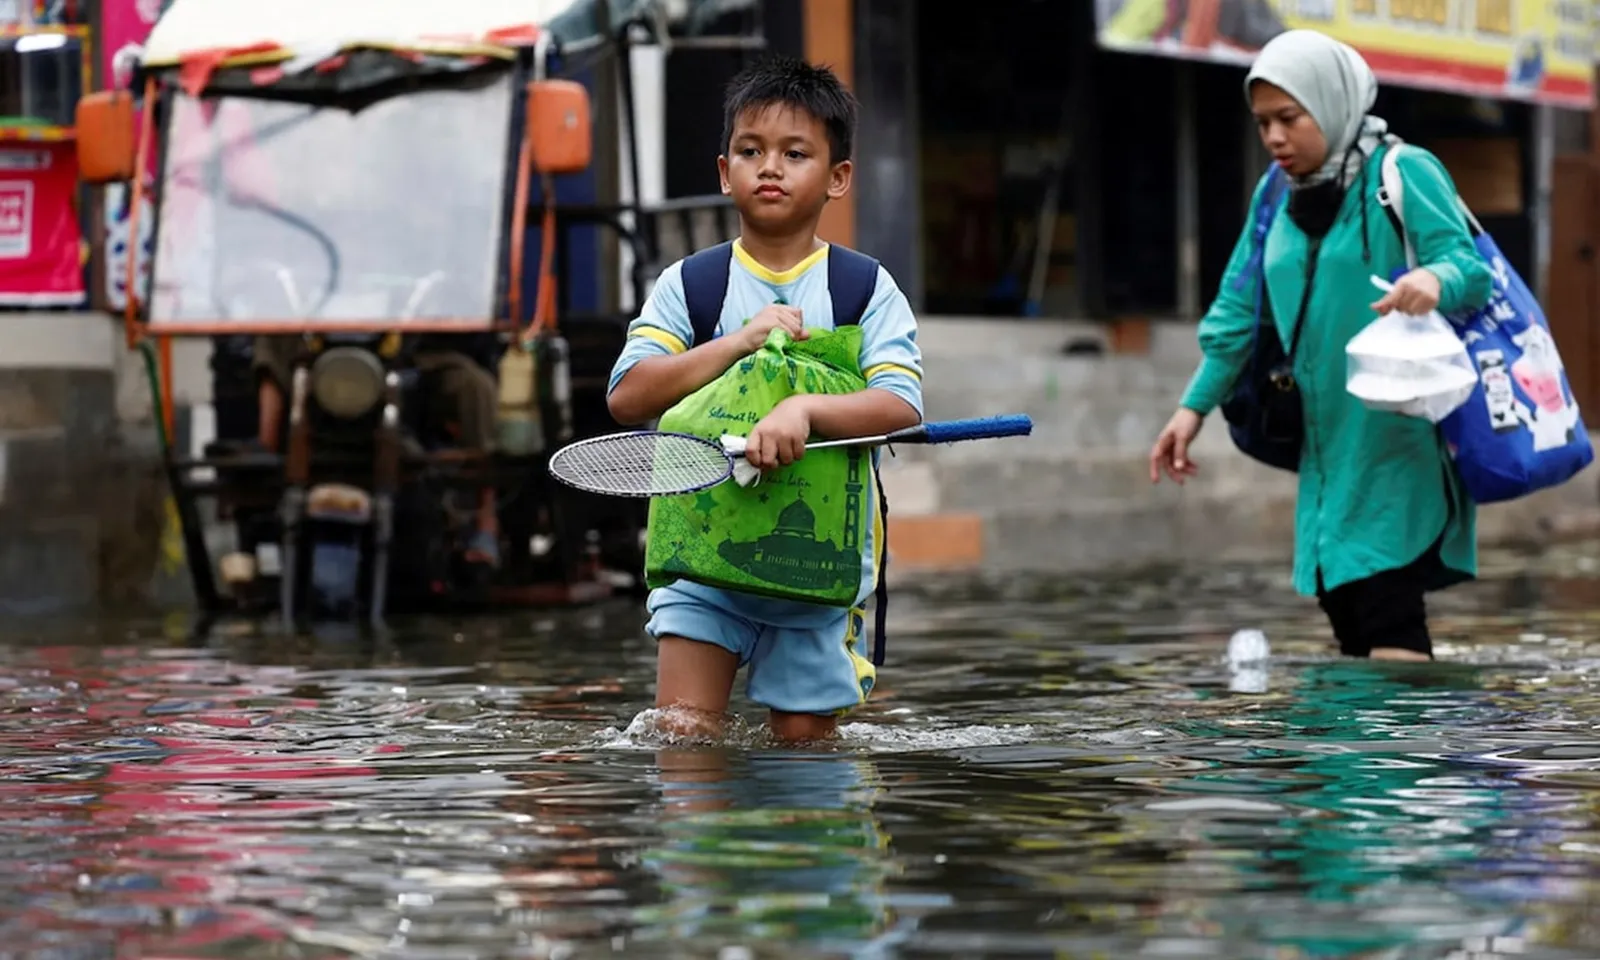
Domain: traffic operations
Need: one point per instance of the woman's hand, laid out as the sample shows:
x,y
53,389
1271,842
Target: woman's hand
x,y
1415,294
1171,452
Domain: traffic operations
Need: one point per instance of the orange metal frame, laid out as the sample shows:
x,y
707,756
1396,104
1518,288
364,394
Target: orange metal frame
x,y
141,163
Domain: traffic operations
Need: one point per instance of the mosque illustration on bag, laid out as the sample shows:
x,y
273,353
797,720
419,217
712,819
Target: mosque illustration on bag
x,y
792,555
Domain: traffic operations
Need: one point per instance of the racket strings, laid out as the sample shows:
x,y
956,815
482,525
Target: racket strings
x,y
642,464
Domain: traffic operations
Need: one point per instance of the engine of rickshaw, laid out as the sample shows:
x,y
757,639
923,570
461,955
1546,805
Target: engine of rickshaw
x,y
352,448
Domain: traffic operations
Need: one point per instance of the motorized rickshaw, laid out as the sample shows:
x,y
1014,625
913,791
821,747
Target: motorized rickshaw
x,y
363,177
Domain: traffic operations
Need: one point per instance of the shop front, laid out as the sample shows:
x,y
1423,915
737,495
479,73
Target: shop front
x,y
1094,160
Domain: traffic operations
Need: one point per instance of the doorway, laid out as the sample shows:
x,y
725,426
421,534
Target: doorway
x,y
997,158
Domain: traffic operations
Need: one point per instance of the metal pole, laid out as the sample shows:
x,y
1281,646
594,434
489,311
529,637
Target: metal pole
x,y
1188,181
1544,160
1088,288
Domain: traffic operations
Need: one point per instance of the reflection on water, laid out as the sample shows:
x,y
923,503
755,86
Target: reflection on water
x,y
771,846
1049,769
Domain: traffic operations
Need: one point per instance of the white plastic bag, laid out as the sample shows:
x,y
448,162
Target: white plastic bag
x,y
1415,366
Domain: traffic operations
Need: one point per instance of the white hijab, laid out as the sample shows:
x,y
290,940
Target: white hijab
x,y
1334,84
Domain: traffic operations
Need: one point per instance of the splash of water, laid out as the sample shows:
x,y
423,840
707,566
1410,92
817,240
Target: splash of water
x,y
647,731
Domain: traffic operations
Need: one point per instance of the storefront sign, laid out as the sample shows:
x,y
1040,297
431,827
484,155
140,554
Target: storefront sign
x,y
1541,50
39,236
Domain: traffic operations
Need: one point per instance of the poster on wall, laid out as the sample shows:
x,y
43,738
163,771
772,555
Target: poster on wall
x,y
124,25
1510,49
39,236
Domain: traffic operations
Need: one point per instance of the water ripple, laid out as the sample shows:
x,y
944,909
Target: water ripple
x,y
1047,768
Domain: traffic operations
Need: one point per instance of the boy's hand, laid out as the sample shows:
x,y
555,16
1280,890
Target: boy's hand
x,y
780,438
773,315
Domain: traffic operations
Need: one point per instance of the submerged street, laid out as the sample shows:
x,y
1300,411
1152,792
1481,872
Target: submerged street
x,y
1049,769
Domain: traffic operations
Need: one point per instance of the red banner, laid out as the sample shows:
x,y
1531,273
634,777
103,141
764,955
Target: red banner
x,y
39,236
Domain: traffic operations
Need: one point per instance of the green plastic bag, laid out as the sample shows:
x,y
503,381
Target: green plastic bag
x,y
796,535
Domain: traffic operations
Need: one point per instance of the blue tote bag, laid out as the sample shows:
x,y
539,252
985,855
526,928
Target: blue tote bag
x,y
1520,430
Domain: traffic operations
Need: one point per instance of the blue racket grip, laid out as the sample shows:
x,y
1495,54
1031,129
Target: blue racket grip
x,y
977,428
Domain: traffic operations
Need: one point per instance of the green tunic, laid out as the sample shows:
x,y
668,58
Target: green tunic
x,y
1376,489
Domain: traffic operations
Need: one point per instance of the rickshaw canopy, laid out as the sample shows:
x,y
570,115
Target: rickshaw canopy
x,y
204,35
415,217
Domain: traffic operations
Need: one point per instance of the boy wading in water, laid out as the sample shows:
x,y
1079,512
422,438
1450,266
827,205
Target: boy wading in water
x,y
788,133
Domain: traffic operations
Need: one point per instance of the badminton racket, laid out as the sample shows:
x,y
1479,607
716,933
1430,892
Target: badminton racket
x,y
654,463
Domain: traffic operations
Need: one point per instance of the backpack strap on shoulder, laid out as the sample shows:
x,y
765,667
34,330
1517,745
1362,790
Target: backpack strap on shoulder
x,y
1277,191
1272,194
705,286
1392,197
852,279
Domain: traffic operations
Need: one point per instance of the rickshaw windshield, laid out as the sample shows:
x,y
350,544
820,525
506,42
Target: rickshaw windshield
x,y
274,211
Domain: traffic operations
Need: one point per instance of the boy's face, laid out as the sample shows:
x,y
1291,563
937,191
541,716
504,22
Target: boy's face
x,y
777,168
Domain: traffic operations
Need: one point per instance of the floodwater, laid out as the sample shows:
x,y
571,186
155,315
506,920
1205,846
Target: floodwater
x,y
1049,770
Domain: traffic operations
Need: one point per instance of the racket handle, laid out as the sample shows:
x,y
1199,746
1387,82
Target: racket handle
x,y
977,428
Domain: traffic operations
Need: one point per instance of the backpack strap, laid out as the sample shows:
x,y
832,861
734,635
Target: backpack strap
x,y
705,286
1276,187
1392,197
852,279
1272,194
880,604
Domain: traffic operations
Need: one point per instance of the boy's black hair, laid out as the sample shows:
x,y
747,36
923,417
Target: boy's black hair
x,y
790,82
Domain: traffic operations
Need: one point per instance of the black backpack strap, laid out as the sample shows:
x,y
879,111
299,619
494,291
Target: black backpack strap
x,y
852,279
880,604
705,286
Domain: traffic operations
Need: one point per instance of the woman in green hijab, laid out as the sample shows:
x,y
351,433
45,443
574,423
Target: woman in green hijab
x,y
1380,516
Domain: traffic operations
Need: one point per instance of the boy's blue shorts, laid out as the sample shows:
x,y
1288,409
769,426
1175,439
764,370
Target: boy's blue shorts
x,y
814,666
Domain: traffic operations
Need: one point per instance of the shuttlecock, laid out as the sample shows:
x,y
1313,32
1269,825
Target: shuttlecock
x,y
746,474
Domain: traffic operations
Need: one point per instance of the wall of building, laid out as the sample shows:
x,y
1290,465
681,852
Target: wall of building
x,y
1076,496
85,521
83,506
